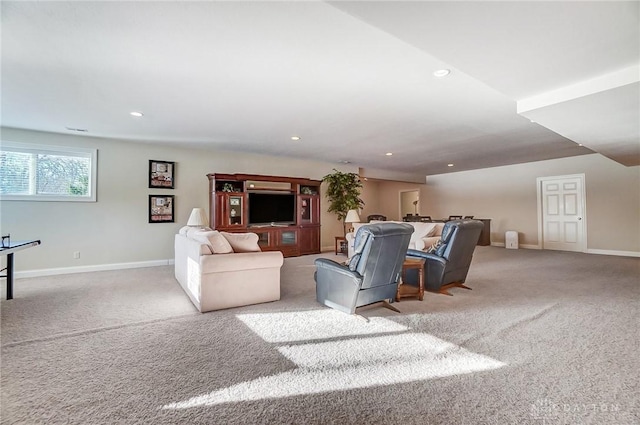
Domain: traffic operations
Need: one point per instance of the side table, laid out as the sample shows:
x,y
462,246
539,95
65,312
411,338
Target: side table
x,y
9,249
341,245
405,290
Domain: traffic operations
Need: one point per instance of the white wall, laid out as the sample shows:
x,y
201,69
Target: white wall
x,y
508,196
115,229
389,198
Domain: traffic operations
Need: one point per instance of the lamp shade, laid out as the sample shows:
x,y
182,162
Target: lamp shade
x,y
352,217
197,218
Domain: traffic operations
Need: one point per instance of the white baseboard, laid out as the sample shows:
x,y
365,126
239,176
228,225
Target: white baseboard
x,y
156,263
522,245
96,268
589,251
613,252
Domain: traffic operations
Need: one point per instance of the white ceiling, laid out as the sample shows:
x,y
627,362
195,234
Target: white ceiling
x,y
352,79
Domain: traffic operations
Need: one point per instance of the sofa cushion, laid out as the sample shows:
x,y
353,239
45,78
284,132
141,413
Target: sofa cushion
x,y
189,231
419,244
356,226
242,242
437,229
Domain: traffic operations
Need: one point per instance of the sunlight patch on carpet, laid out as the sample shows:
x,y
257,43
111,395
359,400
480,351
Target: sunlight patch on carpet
x,y
351,364
315,324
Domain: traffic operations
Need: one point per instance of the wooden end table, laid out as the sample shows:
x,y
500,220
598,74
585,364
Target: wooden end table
x,y
341,245
406,290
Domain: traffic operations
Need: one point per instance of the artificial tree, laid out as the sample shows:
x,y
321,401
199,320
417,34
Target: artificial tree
x,y
343,192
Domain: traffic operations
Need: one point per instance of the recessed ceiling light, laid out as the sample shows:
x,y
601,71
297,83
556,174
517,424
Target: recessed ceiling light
x,y
137,114
344,161
295,137
580,144
389,153
81,130
442,72
449,165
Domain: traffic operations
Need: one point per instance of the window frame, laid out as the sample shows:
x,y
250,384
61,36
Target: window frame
x,y
91,153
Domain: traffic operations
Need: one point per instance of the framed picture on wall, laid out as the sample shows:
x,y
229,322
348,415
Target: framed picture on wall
x,y
162,174
161,208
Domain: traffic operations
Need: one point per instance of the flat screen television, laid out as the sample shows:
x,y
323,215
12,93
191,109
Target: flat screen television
x,y
272,208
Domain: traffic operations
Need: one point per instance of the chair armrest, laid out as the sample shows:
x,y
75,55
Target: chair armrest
x,y
427,256
336,285
330,270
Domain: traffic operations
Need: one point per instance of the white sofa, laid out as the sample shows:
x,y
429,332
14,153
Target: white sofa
x,y
221,270
423,236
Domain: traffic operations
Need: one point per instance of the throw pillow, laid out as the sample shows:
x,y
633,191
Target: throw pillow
x,y
217,243
421,230
242,242
205,246
433,248
440,251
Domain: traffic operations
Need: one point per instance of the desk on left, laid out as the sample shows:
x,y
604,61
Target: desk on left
x,y
8,250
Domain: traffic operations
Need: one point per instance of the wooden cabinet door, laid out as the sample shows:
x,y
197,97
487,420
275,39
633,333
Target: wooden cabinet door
x,y
309,240
230,210
220,210
308,209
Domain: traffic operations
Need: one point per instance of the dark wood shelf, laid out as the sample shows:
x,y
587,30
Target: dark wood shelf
x,y
229,210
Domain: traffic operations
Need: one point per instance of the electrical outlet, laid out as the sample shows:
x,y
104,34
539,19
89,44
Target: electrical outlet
x,y
76,254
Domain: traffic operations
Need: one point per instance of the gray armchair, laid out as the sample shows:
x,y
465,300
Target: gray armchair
x,y
373,271
448,266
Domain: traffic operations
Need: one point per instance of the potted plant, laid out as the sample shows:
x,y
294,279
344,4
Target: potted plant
x,y
343,192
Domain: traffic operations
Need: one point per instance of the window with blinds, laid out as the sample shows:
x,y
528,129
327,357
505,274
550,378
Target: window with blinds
x,y
47,173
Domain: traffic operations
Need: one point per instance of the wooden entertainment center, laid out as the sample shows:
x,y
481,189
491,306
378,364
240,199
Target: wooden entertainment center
x,y
294,231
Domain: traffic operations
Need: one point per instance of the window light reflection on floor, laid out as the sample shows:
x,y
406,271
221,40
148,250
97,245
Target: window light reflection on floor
x,y
315,325
347,363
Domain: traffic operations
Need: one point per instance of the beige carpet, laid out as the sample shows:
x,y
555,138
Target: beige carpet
x,y
543,338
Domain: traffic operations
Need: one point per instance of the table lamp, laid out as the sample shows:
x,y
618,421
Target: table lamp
x,y
197,218
352,217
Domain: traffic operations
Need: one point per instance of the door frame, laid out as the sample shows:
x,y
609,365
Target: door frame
x,y
400,192
583,196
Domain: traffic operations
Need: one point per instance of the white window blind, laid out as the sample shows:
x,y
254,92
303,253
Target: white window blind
x,y
47,173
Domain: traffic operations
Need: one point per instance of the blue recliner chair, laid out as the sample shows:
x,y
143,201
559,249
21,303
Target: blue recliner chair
x,y
373,271
448,266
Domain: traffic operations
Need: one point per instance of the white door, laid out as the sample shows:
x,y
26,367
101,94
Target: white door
x,y
563,221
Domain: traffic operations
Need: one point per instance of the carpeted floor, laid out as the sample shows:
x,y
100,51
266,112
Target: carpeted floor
x,y
543,338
